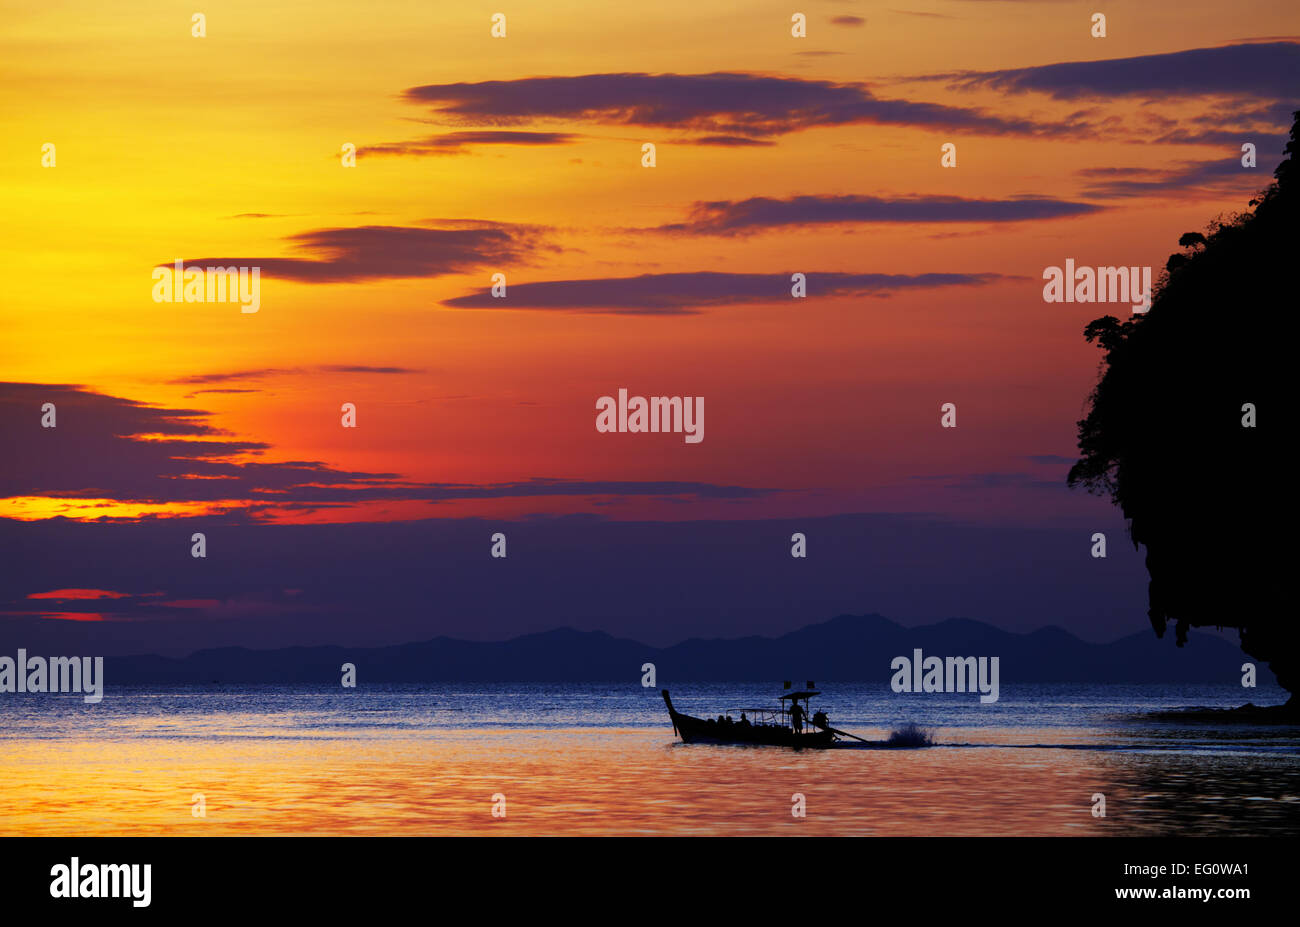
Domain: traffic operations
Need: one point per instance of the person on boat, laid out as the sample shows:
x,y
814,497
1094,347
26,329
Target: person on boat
x,y
744,720
796,718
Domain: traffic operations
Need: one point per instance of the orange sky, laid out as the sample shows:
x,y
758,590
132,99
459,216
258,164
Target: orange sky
x,y
164,139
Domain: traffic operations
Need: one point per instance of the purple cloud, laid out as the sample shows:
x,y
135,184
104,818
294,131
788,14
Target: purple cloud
x,y
454,143
761,213
723,103
688,293
348,255
731,141
1201,179
108,447
1269,70
261,373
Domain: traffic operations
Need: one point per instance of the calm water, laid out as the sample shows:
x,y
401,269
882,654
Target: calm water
x,y
602,759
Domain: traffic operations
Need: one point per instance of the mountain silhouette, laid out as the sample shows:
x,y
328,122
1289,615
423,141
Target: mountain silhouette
x,y
1187,425
845,649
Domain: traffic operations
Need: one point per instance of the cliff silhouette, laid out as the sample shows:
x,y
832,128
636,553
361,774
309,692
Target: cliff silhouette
x,y
1185,427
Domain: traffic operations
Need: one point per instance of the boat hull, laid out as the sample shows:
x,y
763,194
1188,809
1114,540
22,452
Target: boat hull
x,y
694,730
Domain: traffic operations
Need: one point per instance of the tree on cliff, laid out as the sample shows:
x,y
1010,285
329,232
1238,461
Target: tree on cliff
x,y
1185,427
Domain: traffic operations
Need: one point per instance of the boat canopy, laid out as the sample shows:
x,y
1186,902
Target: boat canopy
x,y
805,694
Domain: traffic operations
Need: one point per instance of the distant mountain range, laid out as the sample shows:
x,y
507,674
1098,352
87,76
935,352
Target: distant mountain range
x,y
849,648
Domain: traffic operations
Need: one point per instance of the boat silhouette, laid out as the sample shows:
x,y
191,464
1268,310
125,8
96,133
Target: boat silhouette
x,y
789,725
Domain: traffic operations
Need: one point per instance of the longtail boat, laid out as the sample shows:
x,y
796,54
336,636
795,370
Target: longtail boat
x,y
789,725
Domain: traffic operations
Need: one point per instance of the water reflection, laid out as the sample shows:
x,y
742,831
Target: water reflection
x,y
295,762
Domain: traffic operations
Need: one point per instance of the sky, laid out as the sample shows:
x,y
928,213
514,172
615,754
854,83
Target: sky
x,y
523,156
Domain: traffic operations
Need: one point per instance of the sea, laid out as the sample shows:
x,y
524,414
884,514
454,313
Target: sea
x,y
602,759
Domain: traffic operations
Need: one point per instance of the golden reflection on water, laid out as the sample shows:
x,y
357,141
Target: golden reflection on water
x,y
572,781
